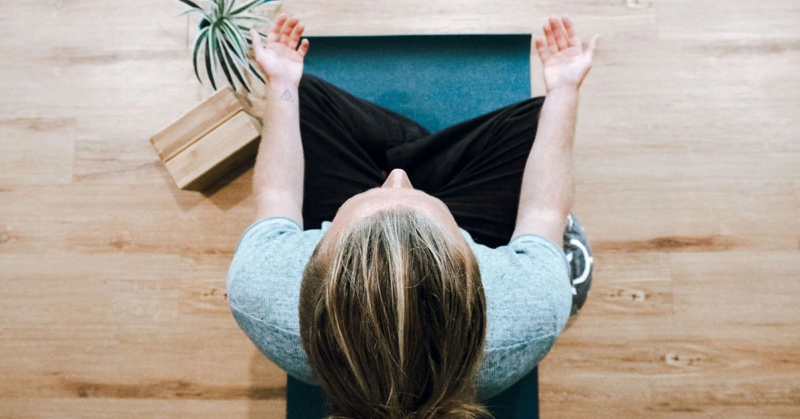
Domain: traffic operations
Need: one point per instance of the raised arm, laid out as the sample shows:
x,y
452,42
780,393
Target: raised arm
x,y
546,196
279,170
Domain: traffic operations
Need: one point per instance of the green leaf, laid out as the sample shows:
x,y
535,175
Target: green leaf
x,y
250,18
187,11
239,54
255,72
249,5
210,57
210,4
198,43
219,48
235,37
233,41
228,5
235,67
190,3
217,10
238,47
251,15
246,32
249,67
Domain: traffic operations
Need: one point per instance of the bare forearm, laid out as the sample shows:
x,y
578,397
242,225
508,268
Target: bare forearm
x,y
279,170
547,184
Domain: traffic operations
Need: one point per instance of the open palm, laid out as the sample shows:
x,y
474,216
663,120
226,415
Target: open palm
x,y
279,57
565,61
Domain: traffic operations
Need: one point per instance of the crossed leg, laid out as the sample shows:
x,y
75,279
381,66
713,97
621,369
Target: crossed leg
x,y
475,167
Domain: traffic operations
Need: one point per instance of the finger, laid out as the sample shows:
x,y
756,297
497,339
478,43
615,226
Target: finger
x,y
544,54
572,34
593,45
558,33
256,39
287,30
551,40
295,35
275,31
303,48
278,24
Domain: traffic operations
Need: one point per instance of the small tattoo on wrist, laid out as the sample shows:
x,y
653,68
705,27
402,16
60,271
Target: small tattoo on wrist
x,y
287,96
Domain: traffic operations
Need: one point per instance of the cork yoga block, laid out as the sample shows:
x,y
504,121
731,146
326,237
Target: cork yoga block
x,y
208,141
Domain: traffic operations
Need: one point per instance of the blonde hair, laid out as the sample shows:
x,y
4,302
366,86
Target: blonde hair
x,y
393,320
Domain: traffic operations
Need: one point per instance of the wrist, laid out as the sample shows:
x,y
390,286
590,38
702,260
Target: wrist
x,y
563,90
280,98
279,102
280,88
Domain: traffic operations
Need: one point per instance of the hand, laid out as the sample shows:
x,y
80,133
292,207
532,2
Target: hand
x,y
565,61
279,57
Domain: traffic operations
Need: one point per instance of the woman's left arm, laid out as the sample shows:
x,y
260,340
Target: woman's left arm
x,y
279,169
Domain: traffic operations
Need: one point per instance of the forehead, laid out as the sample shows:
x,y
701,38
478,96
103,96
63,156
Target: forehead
x,y
368,202
374,199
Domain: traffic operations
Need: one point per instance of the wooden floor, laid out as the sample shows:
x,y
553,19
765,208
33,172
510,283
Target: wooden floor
x,y
112,282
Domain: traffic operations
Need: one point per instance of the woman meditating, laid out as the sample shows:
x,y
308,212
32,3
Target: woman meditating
x,y
410,274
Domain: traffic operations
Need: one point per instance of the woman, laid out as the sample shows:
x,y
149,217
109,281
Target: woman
x,y
433,271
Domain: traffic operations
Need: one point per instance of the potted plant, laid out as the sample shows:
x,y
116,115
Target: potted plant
x,y
217,134
223,40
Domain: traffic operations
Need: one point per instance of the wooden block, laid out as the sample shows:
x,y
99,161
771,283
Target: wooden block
x,y
202,162
196,123
207,141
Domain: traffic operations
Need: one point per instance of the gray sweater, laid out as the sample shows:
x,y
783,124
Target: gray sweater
x,y
527,287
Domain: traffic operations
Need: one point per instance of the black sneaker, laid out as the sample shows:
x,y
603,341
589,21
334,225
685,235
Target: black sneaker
x,y
579,256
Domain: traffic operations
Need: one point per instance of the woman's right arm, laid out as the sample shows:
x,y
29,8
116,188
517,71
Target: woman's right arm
x,y
546,195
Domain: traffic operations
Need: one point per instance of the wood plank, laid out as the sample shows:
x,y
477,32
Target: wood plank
x,y
147,25
202,289
110,106
684,396
700,215
743,19
75,361
131,289
633,291
106,408
670,371
104,161
730,347
97,218
36,150
734,108
635,410
128,312
464,17
738,291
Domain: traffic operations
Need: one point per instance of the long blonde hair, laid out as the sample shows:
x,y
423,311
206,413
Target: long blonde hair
x,y
393,320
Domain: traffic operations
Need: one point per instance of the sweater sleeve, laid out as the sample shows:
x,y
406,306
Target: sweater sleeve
x,y
529,298
263,288
548,264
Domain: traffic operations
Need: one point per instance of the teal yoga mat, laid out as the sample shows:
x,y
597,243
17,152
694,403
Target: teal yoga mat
x,y
438,81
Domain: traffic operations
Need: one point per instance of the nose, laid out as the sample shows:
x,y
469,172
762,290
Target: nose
x,y
397,179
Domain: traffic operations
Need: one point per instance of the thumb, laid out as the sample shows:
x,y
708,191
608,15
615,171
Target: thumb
x,y
592,45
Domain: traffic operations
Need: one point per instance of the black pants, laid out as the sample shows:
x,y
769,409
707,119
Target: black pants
x,y
475,167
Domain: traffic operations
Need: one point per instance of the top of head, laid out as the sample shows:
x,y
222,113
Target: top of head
x,y
393,318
